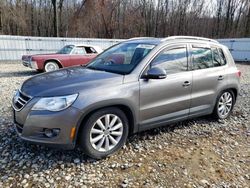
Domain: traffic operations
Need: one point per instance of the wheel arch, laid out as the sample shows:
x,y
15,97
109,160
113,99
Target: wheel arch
x,y
133,127
235,92
53,60
233,89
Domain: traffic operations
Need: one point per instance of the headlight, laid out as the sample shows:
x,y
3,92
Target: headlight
x,y
55,103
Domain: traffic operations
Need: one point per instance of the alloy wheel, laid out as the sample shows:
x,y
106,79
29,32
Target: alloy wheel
x,y
225,104
106,132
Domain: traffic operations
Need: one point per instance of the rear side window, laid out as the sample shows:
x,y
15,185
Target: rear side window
x,y
222,56
202,58
90,50
172,60
218,57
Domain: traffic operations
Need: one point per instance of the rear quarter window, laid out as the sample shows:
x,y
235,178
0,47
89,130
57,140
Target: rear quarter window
x,y
90,50
216,57
222,57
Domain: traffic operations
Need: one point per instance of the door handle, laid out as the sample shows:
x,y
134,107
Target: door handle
x,y
220,77
186,83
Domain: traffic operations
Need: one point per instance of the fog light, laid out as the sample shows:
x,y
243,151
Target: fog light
x,y
51,132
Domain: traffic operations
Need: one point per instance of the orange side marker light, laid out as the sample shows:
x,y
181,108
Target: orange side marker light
x,y
72,133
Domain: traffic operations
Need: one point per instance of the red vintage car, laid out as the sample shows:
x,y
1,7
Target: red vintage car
x,y
69,55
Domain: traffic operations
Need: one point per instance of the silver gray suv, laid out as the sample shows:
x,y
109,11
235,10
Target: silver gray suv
x,y
136,85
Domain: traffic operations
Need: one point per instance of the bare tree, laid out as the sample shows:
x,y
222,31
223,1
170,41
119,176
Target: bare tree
x,y
125,18
55,18
1,17
247,28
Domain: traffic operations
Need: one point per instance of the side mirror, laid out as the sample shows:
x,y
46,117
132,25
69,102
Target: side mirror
x,y
155,73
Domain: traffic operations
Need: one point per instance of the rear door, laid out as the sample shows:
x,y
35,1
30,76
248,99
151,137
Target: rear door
x,y
166,100
208,78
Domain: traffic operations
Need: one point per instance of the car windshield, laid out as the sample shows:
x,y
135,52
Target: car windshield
x,y
66,49
121,58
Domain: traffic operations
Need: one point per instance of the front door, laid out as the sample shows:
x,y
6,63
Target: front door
x,y
166,100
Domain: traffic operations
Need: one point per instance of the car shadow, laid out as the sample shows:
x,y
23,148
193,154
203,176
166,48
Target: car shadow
x,y
172,128
18,74
37,158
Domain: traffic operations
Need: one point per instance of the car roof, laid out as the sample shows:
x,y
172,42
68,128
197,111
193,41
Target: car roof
x,y
201,39
97,48
79,45
89,45
156,41
144,40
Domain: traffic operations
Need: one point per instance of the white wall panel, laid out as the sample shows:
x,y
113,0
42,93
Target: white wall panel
x,y
239,47
13,47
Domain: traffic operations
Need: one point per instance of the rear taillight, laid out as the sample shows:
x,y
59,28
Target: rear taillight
x,y
238,73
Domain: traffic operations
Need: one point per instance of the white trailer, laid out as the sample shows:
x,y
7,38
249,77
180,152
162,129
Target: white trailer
x,y
13,47
239,47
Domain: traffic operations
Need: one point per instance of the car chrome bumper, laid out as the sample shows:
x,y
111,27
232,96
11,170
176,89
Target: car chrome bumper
x,y
30,64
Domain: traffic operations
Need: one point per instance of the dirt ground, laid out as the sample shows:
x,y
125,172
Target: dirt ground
x,y
201,152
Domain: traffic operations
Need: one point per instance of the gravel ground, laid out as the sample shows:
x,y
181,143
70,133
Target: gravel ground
x,y
195,153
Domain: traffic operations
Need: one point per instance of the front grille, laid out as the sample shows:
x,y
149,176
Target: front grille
x,y
20,100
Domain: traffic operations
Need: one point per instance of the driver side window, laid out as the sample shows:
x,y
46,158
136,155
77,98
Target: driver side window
x,y
172,60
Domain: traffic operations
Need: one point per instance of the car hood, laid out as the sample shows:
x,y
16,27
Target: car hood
x,y
41,56
68,81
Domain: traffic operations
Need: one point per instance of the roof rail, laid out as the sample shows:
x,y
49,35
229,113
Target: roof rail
x,y
189,37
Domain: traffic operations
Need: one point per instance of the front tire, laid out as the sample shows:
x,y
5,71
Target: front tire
x,y
104,132
51,66
224,105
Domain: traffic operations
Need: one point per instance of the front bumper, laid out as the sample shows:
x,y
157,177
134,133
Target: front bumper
x,y
30,64
30,125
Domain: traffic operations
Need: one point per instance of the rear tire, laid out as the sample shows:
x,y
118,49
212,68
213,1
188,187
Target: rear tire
x,y
51,66
104,132
224,104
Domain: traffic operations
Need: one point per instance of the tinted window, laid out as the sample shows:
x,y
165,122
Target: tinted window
x,y
121,58
222,56
216,57
202,58
173,60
